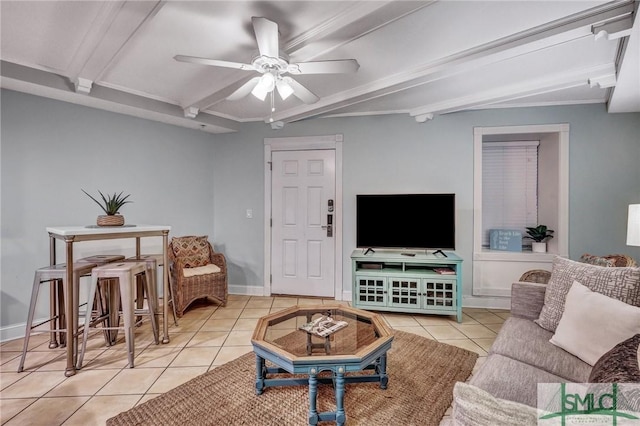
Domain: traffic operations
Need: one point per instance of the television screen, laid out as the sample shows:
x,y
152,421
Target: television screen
x,y
424,221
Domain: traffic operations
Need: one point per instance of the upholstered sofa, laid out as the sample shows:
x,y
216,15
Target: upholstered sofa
x,y
523,355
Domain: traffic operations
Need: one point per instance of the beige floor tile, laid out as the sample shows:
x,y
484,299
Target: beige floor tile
x,y
175,376
194,357
233,297
254,313
246,324
236,304
98,409
466,344
208,338
131,381
284,302
114,357
444,332
156,356
15,345
185,325
485,343
226,313
466,320
36,360
503,315
48,411
239,338
33,385
420,331
259,303
201,309
229,353
219,324
433,319
486,317
476,331
84,383
8,378
400,320
309,301
494,327
10,407
6,356
147,397
177,340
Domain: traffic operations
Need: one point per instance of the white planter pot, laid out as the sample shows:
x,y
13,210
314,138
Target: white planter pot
x,y
539,247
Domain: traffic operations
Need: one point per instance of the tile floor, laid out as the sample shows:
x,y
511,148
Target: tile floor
x,y
207,336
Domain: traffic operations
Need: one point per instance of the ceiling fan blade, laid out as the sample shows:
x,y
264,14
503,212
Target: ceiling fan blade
x,y
325,67
214,62
301,92
244,90
267,36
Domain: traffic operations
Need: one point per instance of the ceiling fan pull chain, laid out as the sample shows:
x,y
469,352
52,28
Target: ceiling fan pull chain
x,y
273,107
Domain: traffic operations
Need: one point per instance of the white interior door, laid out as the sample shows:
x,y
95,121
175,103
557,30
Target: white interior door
x,y
303,221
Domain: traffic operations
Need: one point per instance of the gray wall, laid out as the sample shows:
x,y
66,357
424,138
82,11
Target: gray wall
x,y
50,150
202,184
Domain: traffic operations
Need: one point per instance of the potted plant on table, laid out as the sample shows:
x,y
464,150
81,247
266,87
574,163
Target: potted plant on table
x,y
539,234
111,205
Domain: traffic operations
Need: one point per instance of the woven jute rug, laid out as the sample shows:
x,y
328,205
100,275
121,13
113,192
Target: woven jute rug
x,y
422,373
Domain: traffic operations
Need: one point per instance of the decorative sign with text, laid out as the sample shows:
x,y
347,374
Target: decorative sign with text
x,y
505,239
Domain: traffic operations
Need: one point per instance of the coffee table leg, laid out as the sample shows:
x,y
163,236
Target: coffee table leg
x,y
340,415
384,379
259,375
313,393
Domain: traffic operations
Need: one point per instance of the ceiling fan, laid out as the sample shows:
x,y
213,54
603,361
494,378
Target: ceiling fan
x,y
273,65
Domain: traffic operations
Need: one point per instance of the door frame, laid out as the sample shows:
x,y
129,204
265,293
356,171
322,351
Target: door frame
x,y
304,143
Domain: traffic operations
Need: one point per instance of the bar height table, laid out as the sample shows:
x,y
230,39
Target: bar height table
x,y
74,234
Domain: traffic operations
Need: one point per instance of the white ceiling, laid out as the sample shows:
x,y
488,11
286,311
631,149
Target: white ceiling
x,y
421,58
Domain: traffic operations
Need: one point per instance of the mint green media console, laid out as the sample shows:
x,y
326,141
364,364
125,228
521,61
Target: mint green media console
x,y
408,281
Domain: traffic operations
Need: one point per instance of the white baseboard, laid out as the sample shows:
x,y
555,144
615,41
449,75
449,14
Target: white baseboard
x,y
247,290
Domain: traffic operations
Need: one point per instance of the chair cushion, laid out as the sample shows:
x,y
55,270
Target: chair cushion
x,y
619,283
193,250
201,270
597,260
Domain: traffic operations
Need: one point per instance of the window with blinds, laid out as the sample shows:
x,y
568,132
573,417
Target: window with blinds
x,y
509,186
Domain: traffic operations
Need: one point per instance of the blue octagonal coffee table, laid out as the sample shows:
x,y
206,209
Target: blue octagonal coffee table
x,y
361,345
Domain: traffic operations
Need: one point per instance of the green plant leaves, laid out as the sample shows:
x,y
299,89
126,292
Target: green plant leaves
x,y
110,203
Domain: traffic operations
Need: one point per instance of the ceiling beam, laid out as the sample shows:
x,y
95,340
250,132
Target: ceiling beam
x,y
570,28
50,85
359,20
116,24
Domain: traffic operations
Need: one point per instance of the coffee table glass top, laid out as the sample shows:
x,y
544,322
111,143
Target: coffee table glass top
x,y
360,333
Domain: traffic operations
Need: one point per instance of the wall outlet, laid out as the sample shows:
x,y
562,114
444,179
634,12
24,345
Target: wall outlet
x,y
249,214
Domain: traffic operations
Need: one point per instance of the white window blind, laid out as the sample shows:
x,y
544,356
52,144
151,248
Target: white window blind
x,y
509,186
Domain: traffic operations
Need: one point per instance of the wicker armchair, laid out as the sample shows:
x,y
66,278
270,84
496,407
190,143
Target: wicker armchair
x,y
197,272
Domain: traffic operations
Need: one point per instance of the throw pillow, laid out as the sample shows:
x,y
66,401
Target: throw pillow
x,y
597,260
195,248
619,283
473,406
593,323
620,365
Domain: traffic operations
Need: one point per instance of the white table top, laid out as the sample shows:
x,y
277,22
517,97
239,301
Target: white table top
x,y
66,231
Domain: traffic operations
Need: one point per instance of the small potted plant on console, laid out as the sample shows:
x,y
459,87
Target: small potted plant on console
x,y
539,234
111,205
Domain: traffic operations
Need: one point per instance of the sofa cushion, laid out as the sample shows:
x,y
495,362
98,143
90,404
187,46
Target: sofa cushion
x,y
192,249
473,406
523,340
619,283
621,364
510,379
593,323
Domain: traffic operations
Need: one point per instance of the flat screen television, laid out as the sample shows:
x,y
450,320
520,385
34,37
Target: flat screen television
x,y
408,221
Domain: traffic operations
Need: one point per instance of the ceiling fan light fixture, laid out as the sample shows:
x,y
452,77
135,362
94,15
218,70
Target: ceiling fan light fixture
x,y
265,85
284,89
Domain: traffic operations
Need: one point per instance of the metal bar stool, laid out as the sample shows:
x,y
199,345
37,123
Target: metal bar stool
x,y
154,260
125,273
56,275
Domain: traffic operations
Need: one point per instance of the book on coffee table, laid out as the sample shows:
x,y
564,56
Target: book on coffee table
x,y
323,326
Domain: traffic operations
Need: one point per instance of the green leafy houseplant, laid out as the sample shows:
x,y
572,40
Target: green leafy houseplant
x,y
539,234
111,205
